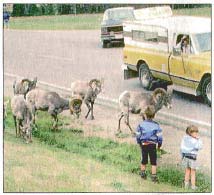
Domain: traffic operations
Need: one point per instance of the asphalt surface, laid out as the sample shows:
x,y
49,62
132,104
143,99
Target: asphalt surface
x,y
60,57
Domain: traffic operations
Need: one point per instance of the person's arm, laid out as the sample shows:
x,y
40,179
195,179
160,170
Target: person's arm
x,y
199,144
160,137
138,134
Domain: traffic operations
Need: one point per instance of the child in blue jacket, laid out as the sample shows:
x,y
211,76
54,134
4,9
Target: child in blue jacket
x,y
148,135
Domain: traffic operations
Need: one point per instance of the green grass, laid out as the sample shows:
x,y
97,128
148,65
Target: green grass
x,y
204,12
39,167
64,22
81,21
122,156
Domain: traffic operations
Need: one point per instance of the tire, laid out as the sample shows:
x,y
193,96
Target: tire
x,y
104,44
145,77
108,45
206,90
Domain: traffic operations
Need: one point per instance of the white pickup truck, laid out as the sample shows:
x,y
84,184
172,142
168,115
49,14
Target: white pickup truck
x,y
154,51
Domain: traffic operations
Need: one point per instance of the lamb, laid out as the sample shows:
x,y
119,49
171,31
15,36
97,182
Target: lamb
x,y
24,86
22,115
51,102
88,91
136,102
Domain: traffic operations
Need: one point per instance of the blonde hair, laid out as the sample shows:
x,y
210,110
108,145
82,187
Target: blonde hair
x,y
191,129
150,112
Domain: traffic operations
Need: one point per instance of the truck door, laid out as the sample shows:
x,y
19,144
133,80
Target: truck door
x,y
179,70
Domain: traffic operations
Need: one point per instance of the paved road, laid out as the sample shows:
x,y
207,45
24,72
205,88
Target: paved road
x,y
60,57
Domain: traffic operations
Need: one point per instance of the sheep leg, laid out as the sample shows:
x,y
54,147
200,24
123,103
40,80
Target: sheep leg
x,y
92,108
119,130
89,109
55,118
33,111
127,123
19,128
14,117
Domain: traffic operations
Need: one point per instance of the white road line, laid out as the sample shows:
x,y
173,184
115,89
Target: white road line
x,y
115,101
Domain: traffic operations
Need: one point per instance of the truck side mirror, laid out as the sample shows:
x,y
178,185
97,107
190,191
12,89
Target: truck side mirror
x,y
176,51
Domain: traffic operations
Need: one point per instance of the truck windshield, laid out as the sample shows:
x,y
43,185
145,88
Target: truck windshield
x,y
202,41
121,14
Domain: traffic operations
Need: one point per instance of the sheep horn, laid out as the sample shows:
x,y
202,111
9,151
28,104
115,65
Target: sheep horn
x,y
75,101
157,91
92,81
25,80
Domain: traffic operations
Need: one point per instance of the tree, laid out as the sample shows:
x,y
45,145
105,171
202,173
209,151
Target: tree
x,y
18,10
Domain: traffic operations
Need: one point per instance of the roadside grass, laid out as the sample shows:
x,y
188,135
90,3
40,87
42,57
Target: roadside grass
x,y
204,11
122,156
63,22
81,21
39,167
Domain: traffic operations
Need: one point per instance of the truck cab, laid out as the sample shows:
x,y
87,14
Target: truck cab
x,y
173,49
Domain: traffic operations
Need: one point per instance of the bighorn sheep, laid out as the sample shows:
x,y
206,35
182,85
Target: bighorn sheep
x,y
24,86
88,91
136,103
39,99
22,115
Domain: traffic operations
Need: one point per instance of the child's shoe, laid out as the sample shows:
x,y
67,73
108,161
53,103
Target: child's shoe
x,y
143,175
154,178
194,187
186,184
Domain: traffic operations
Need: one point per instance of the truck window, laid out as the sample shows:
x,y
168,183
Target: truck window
x,y
184,44
145,36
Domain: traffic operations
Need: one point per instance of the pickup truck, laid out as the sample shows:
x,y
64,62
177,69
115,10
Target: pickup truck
x,y
112,25
173,49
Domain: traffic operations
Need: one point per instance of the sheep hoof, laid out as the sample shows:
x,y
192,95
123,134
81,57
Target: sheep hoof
x,y
118,133
92,117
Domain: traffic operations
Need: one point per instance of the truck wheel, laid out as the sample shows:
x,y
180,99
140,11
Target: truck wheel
x,y
104,44
206,90
108,45
145,77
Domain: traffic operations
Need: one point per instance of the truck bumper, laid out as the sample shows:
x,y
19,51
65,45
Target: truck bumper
x,y
128,73
112,38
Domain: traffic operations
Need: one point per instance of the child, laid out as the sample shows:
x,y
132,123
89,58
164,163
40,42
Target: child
x,y
190,145
148,135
